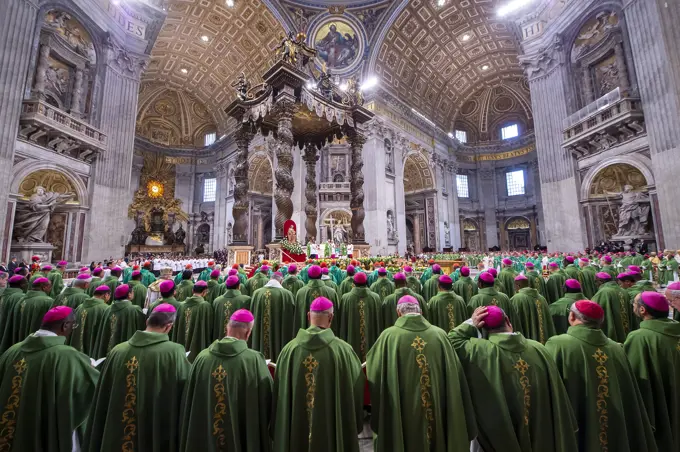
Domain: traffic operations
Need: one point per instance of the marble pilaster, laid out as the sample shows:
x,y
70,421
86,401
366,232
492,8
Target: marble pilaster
x,y
17,23
112,169
654,37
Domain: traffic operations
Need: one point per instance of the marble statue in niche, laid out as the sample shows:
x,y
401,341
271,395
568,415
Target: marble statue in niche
x,y
447,234
633,213
389,156
391,229
33,216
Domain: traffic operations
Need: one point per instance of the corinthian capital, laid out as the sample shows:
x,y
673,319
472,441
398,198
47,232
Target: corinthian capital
x,y
127,63
544,61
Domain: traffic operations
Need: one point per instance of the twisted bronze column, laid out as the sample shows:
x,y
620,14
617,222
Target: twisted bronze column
x,y
241,202
284,169
356,183
310,159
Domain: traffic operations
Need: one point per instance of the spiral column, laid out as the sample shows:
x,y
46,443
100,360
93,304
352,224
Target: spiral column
x,y
356,183
310,158
241,202
284,169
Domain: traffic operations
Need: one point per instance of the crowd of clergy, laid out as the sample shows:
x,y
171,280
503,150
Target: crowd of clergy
x,y
585,357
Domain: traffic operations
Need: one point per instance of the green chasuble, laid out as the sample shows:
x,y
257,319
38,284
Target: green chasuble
x,y
345,286
292,283
559,311
489,296
118,324
96,282
507,280
205,274
330,283
447,310
215,289
671,270
184,290
588,281
29,312
639,287
127,274
533,314
419,396
194,326
57,281
318,395
360,320
654,355
383,287
71,297
147,277
228,399
112,282
465,288
431,287
537,282
46,388
617,310
314,289
257,281
9,299
519,398
427,274
223,307
274,311
389,306
603,392
611,271
414,284
89,316
138,293
573,272
160,300
555,287
138,397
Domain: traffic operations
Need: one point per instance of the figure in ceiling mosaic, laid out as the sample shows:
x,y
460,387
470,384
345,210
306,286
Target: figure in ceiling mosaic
x,y
337,44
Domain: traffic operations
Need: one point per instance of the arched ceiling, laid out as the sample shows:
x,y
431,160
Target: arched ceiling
x,y
240,38
417,173
491,106
434,58
171,117
260,175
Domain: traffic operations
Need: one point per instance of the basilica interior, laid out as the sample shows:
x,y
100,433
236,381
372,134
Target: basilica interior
x,y
399,126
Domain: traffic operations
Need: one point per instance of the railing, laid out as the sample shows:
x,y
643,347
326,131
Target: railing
x,y
592,108
45,116
334,186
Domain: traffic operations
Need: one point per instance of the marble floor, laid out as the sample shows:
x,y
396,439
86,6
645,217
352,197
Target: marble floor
x,y
366,438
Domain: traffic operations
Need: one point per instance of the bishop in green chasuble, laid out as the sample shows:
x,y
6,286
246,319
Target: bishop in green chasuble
x,y
90,314
536,279
412,282
520,402
139,393
228,399
382,286
559,310
360,318
506,278
318,390
29,312
46,389
10,297
226,304
215,289
119,323
446,309
185,288
138,289
74,296
617,310
314,289
465,287
533,312
419,396
274,309
489,296
431,286
258,281
389,304
194,325
291,282
654,355
601,386
555,284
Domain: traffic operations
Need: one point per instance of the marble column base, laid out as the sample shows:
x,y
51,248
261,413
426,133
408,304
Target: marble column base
x,y
24,251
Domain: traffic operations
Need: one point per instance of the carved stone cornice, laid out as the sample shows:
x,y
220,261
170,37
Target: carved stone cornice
x,y
123,61
545,61
376,128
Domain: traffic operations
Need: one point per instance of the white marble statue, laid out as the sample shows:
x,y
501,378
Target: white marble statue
x,y
633,213
339,234
447,234
33,216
